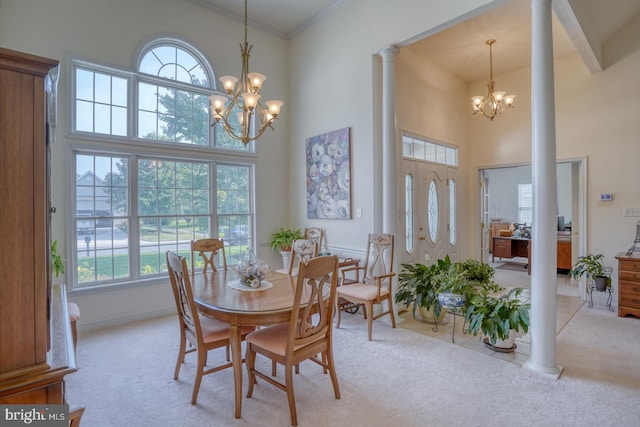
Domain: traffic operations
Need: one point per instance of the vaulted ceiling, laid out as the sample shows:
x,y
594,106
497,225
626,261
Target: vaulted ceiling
x,y
581,26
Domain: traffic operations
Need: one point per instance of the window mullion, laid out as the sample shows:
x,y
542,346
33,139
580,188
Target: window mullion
x,y
134,220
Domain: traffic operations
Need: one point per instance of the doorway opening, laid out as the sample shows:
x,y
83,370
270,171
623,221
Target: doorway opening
x,y
505,207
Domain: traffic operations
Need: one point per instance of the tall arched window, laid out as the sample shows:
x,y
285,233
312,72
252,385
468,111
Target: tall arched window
x,y
151,173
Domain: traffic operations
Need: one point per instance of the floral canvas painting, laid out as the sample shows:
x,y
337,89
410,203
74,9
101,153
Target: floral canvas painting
x,y
328,176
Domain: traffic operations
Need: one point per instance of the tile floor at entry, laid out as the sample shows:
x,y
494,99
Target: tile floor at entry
x,y
512,274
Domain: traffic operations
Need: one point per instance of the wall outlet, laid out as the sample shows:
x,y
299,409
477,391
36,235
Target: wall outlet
x,y
631,212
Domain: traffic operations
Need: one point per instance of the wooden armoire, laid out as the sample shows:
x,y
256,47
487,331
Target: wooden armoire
x,y
36,349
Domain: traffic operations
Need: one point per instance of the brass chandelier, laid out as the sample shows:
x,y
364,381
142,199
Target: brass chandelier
x,y
496,102
244,101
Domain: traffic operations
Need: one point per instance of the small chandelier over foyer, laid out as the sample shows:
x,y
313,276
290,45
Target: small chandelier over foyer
x,y
496,102
244,101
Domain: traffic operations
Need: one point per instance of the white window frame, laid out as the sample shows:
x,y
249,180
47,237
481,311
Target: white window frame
x,y
131,146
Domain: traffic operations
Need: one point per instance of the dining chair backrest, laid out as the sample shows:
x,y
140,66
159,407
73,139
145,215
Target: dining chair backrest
x,y
379,258
313,306
208,249
302,250
183,295
316,235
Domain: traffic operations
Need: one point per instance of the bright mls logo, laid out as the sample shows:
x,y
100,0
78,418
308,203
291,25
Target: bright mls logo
x,y
34,415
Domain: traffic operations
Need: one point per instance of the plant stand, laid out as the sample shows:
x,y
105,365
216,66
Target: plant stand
x,y
456,312
609,290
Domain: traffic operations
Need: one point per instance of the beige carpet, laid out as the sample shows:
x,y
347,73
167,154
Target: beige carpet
x,y
400,379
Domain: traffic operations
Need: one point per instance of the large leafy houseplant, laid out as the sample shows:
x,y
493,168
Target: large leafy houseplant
x,y
418,287
496,316
471,279
592,268
282,239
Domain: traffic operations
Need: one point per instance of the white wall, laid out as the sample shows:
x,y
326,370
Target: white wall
x,y
503,187
335,80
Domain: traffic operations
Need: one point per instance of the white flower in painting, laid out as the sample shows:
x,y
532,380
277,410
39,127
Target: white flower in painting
x,y
317,151
327,208
325,166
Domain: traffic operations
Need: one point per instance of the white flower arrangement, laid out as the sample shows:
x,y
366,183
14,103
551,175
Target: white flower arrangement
x,y
252,271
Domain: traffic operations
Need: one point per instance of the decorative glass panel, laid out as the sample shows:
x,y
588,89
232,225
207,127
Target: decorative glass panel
x,y
414,148
408,209
452,212
433,210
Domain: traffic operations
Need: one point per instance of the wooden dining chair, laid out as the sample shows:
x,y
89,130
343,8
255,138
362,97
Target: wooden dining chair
x,y
373,286
208,249
308,333
203,333
316,235
75,416
302,250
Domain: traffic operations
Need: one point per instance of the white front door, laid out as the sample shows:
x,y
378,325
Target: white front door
x,y
428,220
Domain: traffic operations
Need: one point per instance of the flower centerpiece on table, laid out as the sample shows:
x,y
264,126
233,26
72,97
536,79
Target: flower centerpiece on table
x,y
251,270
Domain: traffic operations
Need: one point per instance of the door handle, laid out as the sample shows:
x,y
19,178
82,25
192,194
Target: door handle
x,y
421,237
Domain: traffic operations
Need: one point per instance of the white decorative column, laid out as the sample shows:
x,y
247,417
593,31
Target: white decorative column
x,y
389,168
389,149
545,209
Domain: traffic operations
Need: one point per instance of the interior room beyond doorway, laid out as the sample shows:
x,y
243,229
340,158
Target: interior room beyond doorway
x,y
507,210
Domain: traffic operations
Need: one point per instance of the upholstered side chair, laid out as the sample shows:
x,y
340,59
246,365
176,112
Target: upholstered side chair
x,y
373,280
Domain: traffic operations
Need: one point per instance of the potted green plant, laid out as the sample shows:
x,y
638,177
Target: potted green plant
x,y
592,268
499,318
56,260
479,273
454,287
464,281
418,288
282,240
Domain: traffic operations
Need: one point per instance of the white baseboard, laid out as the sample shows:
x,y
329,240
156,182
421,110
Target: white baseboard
x,y
116,321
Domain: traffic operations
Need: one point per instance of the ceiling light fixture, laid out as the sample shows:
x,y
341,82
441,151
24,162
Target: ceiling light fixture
x,y
496,102
244,101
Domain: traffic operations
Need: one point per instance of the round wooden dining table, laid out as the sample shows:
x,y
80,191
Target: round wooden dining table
x,y
217,296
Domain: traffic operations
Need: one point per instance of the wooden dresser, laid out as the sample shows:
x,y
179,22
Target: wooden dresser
x,y
564,254
494,230
628,284
35,341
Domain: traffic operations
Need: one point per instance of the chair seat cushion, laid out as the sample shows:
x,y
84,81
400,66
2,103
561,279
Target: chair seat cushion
x,y
363,292
215,330
273,338
74,311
